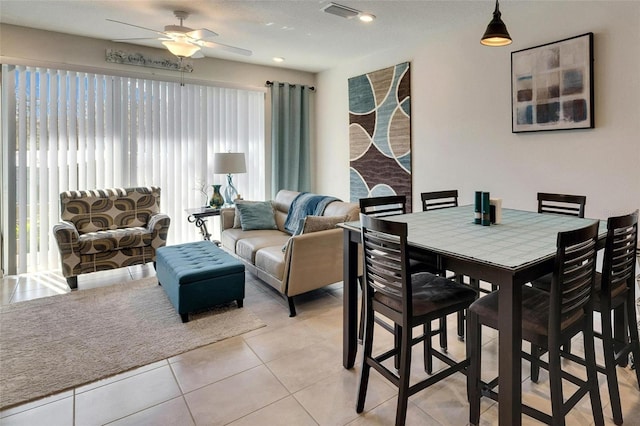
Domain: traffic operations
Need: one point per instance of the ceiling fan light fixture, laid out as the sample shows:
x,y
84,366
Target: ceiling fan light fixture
x,y
496,34
366,17
181,49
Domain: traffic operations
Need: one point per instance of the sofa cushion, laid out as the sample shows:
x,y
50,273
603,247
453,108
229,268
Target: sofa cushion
x,y
257,215
314,224
321,223
340,208
117,239
231,236
246,248
271,261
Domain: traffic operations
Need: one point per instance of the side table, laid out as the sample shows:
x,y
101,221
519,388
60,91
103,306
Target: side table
x,y
198,216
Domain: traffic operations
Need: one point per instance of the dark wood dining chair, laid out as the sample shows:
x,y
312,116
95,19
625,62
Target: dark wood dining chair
x,y
387,205
406,299
614,290
548,320
572,205
439,199
390,205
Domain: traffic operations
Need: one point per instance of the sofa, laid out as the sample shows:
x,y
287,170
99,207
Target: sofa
x,y
293,257
104,229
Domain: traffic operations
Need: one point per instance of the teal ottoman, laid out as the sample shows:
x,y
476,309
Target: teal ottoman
x,y
198,276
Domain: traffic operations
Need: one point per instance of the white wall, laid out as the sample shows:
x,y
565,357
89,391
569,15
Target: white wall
x,y
461,110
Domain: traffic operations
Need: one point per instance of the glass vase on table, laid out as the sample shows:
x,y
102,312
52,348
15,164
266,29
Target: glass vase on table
x,y
216,200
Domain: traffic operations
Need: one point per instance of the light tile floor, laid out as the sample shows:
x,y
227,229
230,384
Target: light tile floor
x,y
287,373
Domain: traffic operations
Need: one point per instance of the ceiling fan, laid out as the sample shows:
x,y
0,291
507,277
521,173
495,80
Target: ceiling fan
x,y
185,42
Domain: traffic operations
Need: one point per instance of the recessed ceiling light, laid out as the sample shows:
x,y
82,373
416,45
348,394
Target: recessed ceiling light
x,y
278,59
366,17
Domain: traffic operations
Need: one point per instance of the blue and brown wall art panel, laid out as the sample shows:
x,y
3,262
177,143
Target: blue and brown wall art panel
x,y
380,133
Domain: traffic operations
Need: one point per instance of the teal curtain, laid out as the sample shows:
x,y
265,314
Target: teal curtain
x,y
290,137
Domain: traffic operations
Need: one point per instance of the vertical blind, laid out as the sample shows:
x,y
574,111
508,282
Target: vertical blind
x,y
77,130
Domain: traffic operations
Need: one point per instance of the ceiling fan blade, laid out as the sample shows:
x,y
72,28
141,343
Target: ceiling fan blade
x,y
233,49
201,34
197,55
136,26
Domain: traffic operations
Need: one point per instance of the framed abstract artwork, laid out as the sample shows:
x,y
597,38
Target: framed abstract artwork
x,y
380,133
552,86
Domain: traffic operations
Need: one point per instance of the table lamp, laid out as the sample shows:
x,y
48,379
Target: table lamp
x,y
229,163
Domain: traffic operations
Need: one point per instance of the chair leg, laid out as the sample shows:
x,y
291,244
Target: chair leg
x,y
634,340
567,346
361,324
592,373
428,348
443,333
404,374
610,366
461,316
474,351
397,344
536,353
620,328
555,383
366,355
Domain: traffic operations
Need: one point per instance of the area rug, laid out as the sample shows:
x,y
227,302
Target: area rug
x,y
57,343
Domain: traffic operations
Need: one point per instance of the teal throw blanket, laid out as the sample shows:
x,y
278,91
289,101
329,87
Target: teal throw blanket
x,y
303,205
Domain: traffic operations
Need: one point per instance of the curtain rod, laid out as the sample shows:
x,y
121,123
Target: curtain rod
x,y
270,83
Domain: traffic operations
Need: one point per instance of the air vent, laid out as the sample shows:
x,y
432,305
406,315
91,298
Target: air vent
x,y
340,10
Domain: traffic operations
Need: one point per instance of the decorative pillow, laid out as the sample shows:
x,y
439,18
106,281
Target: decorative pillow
x,y
314,224
236,218
321,223
258,215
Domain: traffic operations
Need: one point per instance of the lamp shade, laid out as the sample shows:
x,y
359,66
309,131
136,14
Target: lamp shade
x,y
181,49
496,33
229,162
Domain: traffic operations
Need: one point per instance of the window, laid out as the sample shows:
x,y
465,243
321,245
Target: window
x,y
77,130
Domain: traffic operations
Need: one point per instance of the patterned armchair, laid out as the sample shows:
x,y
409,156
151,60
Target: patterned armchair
x,y
105,229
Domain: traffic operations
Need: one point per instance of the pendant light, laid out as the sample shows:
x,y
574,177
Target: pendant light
x,y
496,33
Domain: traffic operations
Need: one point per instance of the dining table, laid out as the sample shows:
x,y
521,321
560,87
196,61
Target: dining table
x,y
519,249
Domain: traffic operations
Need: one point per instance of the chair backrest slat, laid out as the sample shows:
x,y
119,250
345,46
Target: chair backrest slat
x,y
574,272
385,257
619,260
388,205
572,205
439,199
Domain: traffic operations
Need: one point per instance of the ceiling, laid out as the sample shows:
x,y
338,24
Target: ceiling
x,y
297,30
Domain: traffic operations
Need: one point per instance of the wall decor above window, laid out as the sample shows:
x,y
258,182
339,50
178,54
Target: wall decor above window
x,y
138,59
552,86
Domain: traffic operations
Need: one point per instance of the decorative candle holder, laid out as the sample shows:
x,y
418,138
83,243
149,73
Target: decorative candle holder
x,y
477,219
486,209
